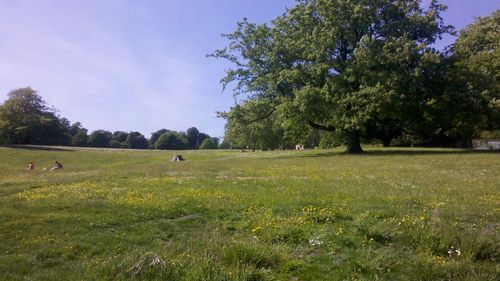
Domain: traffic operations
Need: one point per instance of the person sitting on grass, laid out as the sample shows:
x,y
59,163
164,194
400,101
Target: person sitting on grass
x,y
57,166
30,167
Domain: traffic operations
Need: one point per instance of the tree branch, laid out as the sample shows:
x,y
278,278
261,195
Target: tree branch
x,y
320,127
261,117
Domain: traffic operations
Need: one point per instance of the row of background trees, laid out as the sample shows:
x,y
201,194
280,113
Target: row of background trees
x,y
332,72
25,118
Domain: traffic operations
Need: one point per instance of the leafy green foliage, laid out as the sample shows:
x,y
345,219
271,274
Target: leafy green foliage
x,y
156,135
25,118
115,144
330,140
120,136
477,51
136,140
80,138
254,124
78,135
338,65
171,140
100,138
210,143
192,137
201,138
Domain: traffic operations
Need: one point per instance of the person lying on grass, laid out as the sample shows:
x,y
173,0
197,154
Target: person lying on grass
x,y
57,166
30,167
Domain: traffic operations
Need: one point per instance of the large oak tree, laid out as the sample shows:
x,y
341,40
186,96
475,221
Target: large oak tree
x,y
339,65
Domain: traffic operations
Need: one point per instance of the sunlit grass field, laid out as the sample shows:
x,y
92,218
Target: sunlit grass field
x,y
390,214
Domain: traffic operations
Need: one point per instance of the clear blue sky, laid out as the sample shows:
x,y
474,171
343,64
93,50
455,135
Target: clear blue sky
x,y
138,65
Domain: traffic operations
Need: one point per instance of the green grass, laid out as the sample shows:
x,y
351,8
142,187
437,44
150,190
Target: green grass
x,y
392,214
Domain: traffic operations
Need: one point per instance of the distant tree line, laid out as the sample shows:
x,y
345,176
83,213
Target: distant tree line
x,y
342,72
25,118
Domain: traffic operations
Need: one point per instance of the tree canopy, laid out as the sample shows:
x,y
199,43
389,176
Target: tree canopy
x,y
25,118
339,65
210,143
192,137
100,138
136,140
477,52
246,127
155,135
78,134
171,140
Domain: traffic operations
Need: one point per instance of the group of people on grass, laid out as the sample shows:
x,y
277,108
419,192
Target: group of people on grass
x,y
57,166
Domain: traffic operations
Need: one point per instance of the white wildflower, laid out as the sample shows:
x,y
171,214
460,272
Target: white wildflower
x,y
315,241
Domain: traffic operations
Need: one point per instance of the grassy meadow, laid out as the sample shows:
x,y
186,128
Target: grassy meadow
x,y
389,214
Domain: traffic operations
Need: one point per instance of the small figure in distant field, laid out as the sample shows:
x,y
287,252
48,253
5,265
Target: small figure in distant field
x,y
177,158
30,167
57,166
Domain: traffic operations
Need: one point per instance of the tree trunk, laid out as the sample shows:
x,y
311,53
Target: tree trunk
x,y
353,142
